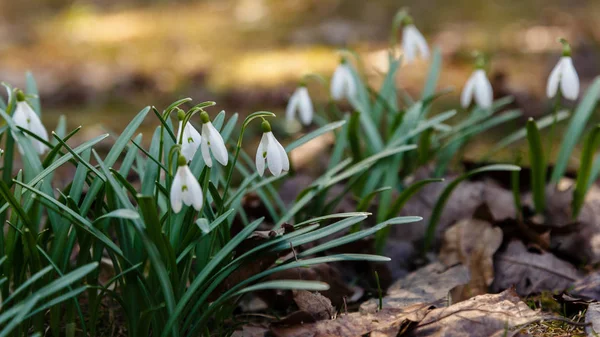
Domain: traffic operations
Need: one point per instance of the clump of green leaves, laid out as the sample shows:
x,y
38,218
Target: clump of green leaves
x,y
167,270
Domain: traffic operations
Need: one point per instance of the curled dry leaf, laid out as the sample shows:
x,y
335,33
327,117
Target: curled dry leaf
x,y
531,272
587,287
317,305
324,272
483,315
592,316
250,331
357,324
465,200
575,239
472,242
426,285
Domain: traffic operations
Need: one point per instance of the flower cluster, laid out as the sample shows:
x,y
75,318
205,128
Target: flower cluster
x,y
477,88
343,86
185,188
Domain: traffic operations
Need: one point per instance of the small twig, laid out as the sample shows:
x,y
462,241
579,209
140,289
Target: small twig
x,y
293,251
345,305
380,293
295,258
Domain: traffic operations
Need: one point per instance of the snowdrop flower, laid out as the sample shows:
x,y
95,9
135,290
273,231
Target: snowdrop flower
x,y
564,73
479,86
25,117
212,142
191,138
271,151
300,103
342,82
413,42
185,188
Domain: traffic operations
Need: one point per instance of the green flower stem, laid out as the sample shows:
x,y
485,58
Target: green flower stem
x,y
238,148
556,107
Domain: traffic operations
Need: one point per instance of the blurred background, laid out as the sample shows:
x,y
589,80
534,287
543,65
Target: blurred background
x,y
101,61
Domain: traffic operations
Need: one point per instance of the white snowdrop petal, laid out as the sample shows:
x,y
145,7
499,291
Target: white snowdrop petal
x,y
569,81
553,80
285,161
306,110
204,147
179,131
292,106
20,116
350,85
176,198
194,191
260,159
337,83
273,159
25,117
217,145
193,133
467,93
421,44
408,45
190,142
484,94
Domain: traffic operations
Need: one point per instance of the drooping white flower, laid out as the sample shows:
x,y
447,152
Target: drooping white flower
x,y
565,75
342,83
479,86
413,42
185,189
300,103
191,140
212,142
26,118
270,151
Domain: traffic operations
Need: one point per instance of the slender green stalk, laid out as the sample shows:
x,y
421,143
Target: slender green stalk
x,y
556,107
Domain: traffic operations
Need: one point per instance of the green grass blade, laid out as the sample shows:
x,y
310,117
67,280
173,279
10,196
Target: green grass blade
x,y
538,166
585,169
575,130
522,133
206,272
358,235
286,285
408,193
314,134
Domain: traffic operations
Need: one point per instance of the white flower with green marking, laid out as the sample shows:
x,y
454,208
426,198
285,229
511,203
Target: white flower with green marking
x,y
191,140
564,76
477,86
185,188
342,83
212,142
413,43
25,117
301,104
270,151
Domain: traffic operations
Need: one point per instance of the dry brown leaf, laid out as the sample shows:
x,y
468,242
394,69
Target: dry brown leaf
x,y
587,287
315,304
473,243
250,331
592,316
357,324
465,200
483,315
324,272
531,272
426,285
